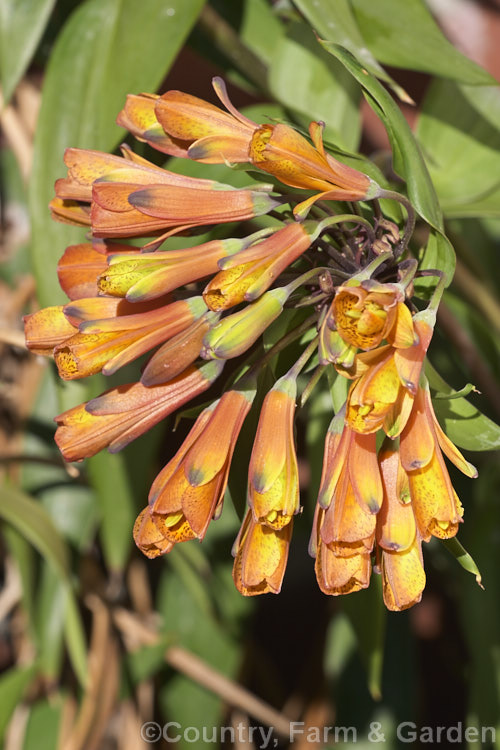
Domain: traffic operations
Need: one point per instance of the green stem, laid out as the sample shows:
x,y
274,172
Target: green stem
x,y
288,339
294,371
312,384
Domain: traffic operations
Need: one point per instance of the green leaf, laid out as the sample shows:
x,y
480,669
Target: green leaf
x,y
22,23
116,504
462,556
191,627
307,80
459,133
335,22
367,614
463,423
44,725
438,254
405,35
260,29
33,522
107,49
408,159
13,684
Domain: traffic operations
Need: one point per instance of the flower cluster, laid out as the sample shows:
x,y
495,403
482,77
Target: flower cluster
x,y
349,281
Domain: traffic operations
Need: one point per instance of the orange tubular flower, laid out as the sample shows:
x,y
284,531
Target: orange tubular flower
x,y
273,477
189,491
112,342
387,380
179,352
350,466
207,133
261,554
437,508
284,153
399,541
344,523
121,414
248,274
141,276
133,198
337,574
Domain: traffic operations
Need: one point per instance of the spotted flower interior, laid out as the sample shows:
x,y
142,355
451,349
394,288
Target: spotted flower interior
x,y
303,249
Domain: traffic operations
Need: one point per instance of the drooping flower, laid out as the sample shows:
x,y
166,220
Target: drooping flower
x,y
273,477
261,554
386,380
349,497
249,273
337,574
121,414
398,539
189,490
437,508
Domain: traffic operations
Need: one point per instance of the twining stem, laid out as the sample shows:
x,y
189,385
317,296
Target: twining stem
x,y
410,220
341,218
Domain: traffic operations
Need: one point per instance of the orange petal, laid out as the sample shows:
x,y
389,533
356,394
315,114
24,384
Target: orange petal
x,y
271,442
364,471
449,449
215,446
261,559
148,537
176,355
46,329
417,443
437,509
402,334
122,414
138,116
403,577
345,519
396,527
70,212
341,575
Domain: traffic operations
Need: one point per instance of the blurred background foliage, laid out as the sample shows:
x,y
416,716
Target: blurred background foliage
x,y
94,639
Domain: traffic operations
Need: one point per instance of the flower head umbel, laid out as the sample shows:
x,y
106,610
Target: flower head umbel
x,y
284,299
